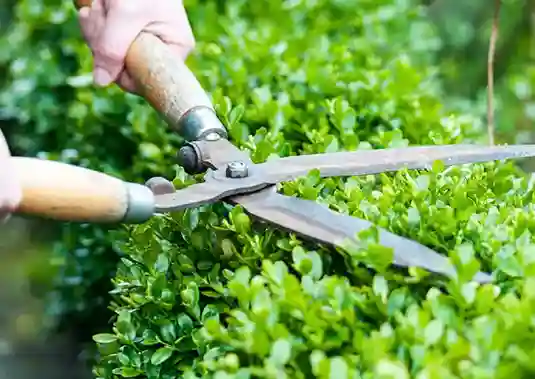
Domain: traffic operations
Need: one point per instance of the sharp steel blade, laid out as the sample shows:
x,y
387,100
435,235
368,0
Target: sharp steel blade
x,y
319,223
189,197
203,193
385,160
218,186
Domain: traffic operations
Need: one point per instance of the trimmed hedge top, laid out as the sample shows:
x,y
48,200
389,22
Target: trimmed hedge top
x,y
209,293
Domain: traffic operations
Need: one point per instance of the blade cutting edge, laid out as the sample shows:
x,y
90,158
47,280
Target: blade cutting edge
x,y
365,162
317,222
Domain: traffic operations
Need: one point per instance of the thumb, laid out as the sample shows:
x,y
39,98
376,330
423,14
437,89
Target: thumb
x,y
117,35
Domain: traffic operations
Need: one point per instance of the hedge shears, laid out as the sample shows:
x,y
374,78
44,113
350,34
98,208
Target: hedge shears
x,y
69,193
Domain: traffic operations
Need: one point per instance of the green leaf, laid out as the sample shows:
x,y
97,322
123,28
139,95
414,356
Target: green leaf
x,y
127,372
185,324
228,248
242,222
161,355
236,114
210,311
380,287
433,332
150,338
158,286
125,327
162,263
104,338
387,369
190,295
168,331
338,368
186,264
281,351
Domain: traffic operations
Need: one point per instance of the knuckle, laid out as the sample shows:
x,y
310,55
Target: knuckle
x,y
110,52
129,8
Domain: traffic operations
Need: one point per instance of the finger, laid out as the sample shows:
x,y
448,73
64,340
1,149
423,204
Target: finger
x,y
97,6
180,40
175,31
126,82
86,25
91,20
120,30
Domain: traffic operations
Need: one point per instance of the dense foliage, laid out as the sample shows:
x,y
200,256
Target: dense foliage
x,y
50,107
211,293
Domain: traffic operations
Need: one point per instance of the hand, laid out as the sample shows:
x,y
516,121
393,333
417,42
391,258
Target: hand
x,y
10,191
110,27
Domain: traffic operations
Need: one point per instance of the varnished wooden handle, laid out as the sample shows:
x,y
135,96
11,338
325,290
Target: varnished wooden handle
x,y
169,86
82,3
64,192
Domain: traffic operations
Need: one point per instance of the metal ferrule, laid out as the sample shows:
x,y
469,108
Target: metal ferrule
x,y
199,122
141,204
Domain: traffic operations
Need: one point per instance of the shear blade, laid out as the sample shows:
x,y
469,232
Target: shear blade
x,y
218,187
365,162
319,223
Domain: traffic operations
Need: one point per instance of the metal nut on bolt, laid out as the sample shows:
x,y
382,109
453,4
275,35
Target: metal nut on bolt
x,y
237,169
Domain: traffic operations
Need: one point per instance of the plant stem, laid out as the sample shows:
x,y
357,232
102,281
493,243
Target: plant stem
x,y
490,72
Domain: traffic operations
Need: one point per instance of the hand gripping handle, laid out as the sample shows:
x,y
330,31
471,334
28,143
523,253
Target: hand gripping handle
x,y
170,87
64,192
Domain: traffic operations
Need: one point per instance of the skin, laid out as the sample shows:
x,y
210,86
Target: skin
x,y
109,27
10,191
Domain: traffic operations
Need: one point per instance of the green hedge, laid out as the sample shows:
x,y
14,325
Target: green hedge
x,y
49,107
209,292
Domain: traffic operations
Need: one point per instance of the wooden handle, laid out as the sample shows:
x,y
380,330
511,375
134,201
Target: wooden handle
x,y
65,192
169,86
82,3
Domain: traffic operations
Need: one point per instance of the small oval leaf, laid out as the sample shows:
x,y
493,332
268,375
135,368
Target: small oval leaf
x,y
104,338
161,355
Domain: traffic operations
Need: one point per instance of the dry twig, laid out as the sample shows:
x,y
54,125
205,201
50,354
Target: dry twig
x,y
490,72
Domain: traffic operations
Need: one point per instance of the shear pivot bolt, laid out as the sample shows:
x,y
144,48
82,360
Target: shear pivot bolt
x,y
237,170
188,158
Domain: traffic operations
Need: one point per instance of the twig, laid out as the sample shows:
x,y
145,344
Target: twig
x,y
490,72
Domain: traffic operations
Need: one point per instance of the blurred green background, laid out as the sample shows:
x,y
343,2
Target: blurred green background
x,y
54,278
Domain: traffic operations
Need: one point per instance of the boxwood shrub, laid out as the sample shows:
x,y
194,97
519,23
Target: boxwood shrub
x,y
369,65
211,293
